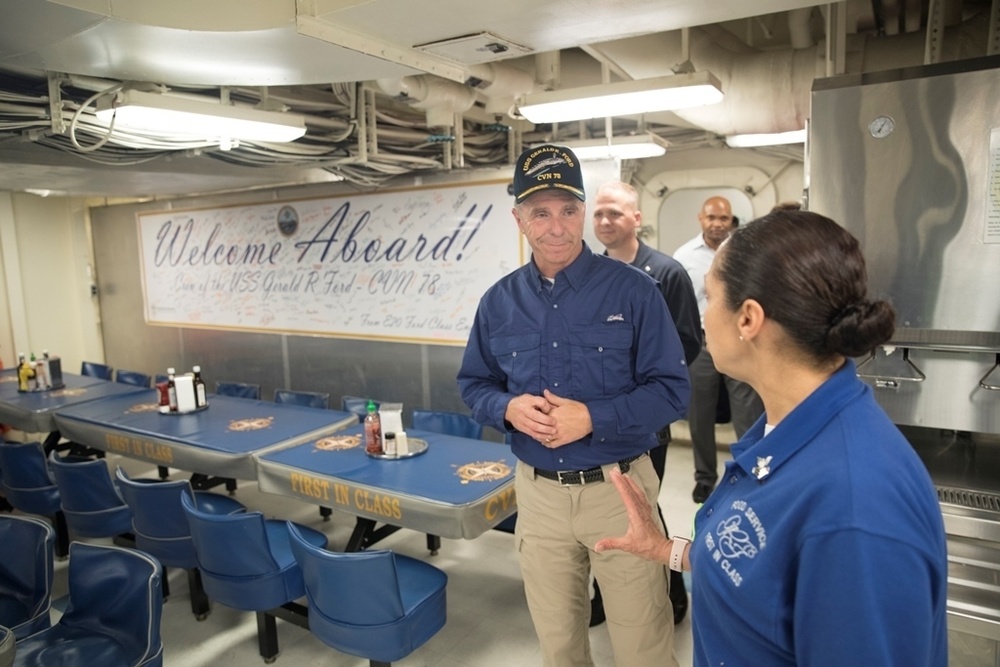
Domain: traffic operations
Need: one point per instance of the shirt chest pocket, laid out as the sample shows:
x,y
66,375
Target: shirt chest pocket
x,y
518,356
602,361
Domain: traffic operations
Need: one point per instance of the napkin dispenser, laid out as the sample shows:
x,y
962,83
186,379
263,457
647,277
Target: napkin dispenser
x,y
184,386
391,417
52,367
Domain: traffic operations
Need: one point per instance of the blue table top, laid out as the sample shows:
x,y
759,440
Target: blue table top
x,y
458,488
218,440
34,411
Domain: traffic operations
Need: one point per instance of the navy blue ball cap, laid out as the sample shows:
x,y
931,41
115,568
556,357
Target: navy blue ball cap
x,y
547,167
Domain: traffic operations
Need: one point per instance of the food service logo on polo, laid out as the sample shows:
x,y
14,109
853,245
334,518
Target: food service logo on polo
x,y
546,167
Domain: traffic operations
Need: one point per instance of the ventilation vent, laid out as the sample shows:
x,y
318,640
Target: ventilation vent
x,y
474,49
967,498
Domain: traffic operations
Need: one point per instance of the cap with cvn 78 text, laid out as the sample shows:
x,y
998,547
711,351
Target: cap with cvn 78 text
x,y
547,167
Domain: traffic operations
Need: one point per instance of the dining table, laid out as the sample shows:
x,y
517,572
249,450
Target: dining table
x,y
215,442
34,411
445,486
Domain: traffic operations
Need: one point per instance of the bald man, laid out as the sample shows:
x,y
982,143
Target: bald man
x,y
717,221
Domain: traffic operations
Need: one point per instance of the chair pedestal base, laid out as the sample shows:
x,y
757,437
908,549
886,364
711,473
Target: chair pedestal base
x,y
200,606
200,482
267,627
366,534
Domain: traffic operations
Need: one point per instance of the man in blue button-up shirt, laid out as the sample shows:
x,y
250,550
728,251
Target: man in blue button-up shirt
x,y
576,356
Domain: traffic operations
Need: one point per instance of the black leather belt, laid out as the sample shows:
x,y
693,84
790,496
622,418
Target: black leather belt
x,y
566,477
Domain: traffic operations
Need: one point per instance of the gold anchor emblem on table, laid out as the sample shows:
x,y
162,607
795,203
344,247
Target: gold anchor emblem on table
x,y
483,471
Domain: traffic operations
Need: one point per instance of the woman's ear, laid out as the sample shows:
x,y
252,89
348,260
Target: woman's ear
x,y
750,319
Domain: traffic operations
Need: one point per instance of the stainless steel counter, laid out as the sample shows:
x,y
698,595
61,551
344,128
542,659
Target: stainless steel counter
x,y
965,468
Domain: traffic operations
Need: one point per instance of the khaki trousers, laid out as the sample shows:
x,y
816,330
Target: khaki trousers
x,y
557,527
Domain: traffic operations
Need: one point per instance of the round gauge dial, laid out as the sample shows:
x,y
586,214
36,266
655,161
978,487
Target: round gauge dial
x,y
881,127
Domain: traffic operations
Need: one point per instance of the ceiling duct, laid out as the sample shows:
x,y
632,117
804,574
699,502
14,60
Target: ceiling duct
x,y
770,91
500,84
440,98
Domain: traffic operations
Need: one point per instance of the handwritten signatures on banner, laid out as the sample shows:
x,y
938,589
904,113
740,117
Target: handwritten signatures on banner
x,y
396,265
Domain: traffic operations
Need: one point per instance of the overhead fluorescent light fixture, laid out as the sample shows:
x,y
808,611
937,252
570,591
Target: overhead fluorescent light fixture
x,y
623,148
624,98
172,116
776,139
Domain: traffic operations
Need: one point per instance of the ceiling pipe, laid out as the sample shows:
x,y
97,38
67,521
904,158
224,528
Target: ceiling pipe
x,y
799,29
770,91
548,69
440,98
500,84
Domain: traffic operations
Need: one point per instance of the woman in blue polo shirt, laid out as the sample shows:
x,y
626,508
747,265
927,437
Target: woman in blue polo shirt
x,y
823,543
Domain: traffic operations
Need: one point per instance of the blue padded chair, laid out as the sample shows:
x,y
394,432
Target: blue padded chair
x,y
29,486
89,498
25,574
161,527
357,405
132,377
308,399
113,615
373,604
238,389
246,562
94,369
452,423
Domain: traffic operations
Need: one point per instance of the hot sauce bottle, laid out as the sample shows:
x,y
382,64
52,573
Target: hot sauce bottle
x,y
373,430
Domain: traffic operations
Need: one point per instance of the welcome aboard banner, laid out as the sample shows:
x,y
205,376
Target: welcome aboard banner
x,y
405,265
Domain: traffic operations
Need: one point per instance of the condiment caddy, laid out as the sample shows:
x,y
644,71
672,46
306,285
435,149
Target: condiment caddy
x,y
182,394
39,374
384,434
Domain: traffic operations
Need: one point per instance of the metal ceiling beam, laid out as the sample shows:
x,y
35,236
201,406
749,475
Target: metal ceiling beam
x,y
935,32
836,38
597,54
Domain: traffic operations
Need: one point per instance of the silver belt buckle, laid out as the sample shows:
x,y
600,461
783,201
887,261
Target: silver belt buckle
x,y
566,478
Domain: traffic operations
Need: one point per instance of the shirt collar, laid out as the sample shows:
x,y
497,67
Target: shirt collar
x,y
799,428
642,256
701,243
574,274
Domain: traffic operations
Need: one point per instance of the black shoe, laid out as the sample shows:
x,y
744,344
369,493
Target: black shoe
x,y
596,607
701,493
678,596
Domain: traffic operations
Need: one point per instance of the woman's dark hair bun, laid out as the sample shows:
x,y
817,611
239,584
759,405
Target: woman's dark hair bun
x,y
860,327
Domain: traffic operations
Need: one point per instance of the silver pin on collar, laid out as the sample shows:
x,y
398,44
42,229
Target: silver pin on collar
x,y
763,467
